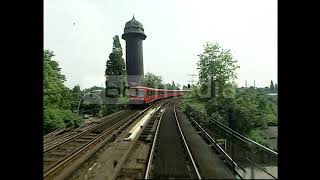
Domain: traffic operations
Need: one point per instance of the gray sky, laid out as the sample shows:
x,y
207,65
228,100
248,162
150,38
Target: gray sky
x,y
176,32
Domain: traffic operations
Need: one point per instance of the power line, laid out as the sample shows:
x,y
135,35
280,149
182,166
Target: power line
x,y
192,75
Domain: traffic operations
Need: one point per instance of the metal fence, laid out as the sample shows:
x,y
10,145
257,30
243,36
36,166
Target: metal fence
x,y
249,159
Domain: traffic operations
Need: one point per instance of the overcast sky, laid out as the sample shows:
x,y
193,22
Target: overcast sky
x,y
80,33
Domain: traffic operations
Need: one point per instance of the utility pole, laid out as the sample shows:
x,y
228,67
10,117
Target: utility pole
x,y
192,75
246,84
254,84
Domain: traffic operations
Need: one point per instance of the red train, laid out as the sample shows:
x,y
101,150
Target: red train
x,y
145,95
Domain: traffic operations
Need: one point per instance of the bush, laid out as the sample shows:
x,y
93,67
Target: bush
x,y
216,116
69,118
200,106
271,119
54,118
112,108
241,119
106,110
258,136
51,120
246,112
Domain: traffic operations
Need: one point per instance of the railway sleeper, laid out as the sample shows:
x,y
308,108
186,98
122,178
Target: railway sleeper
x,y
76,142
154,127
149,138
97,131
51,159
68,150
73,146
82,140
59,153
90,135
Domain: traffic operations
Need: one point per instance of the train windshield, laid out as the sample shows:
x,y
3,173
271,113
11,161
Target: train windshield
x,y
133,92
137,92
140,92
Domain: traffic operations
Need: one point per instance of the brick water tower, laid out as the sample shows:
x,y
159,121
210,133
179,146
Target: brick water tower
x,y
134,35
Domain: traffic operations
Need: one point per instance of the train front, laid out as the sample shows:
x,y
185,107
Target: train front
x,y
136,95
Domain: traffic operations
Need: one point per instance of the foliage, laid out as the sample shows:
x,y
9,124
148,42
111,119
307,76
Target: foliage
x,y
58,100
112,108
58,118
170,86
216,116
272,86
184,87
106,110
90,108
115,68
153,81
192,98
76,94
259,137
51,120
55,93
247,112
216,63
93,88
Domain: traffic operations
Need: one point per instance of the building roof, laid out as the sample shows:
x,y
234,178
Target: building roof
x,y
133,27
133,23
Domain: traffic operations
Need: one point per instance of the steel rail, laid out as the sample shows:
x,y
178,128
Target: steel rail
x,y
153,144
186,145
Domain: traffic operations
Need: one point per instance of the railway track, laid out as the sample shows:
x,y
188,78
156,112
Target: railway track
x,y
170,156
87,128
57,137
239,153
62,154
142,137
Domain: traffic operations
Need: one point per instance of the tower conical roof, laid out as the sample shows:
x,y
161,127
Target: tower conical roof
x,y
133,23
134,26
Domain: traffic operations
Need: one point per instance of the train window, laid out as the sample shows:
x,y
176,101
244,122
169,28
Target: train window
x,y
133,92
141,92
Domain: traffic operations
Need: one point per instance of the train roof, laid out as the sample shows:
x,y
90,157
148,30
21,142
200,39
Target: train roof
x,y
142,87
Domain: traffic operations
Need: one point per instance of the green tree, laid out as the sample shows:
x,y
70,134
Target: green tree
x,y
76,90
153,81
57,99
216,63
173,85
272,86
76,95
55,93
168,86
115,69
